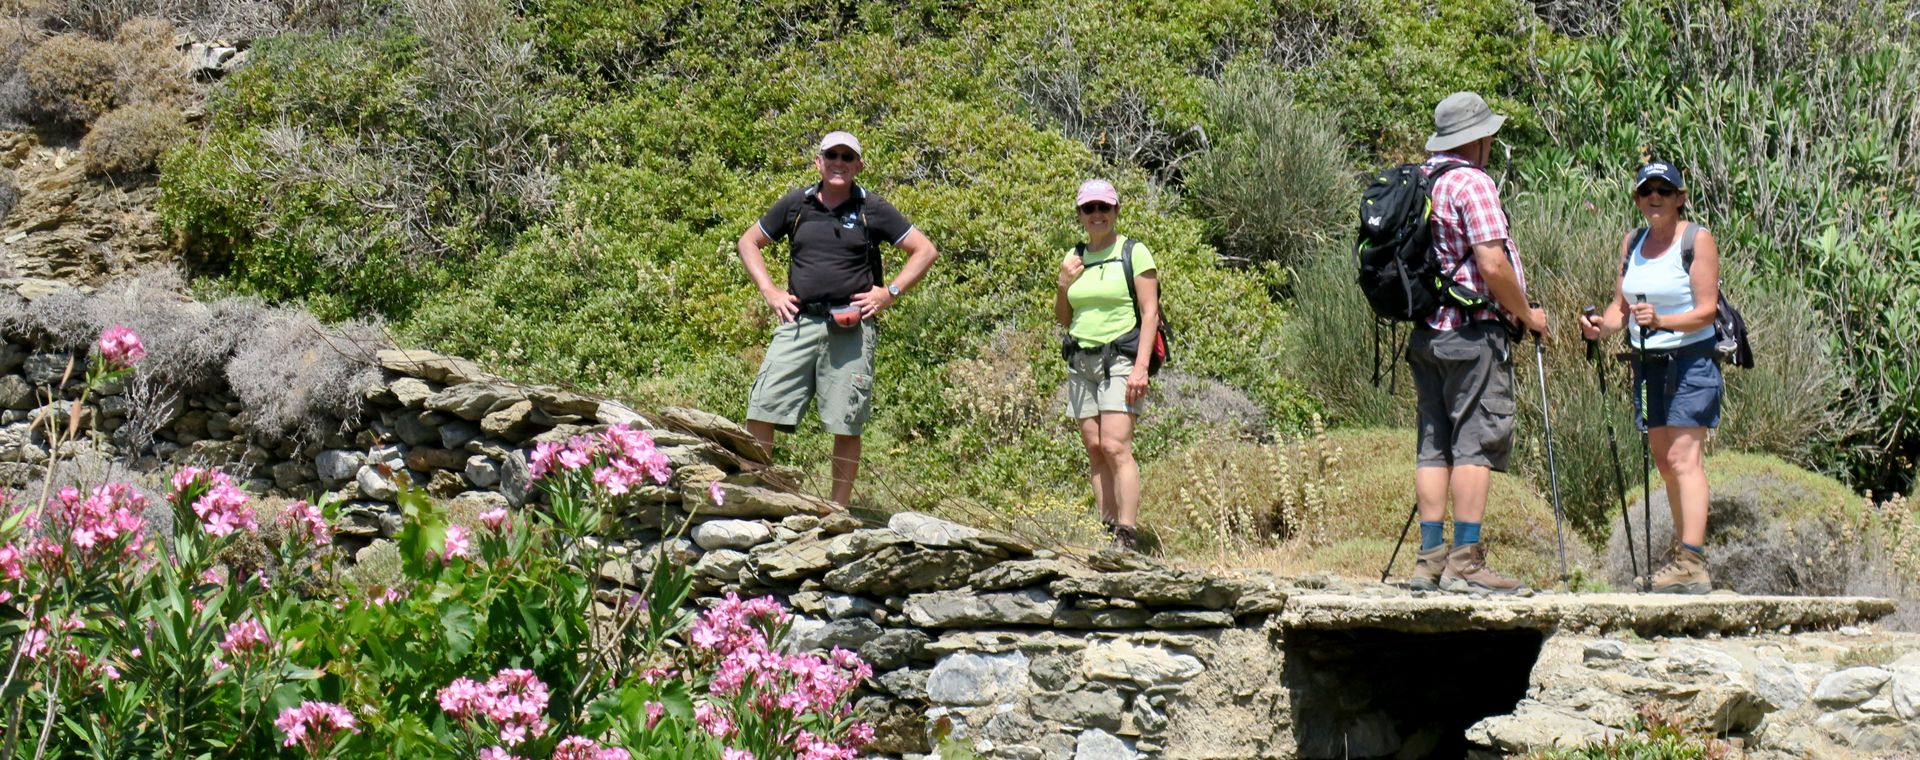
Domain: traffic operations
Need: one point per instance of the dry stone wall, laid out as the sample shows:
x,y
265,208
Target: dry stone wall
x,y
1015,649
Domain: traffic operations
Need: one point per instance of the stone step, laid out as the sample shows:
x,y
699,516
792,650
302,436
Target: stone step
x,y
1644,614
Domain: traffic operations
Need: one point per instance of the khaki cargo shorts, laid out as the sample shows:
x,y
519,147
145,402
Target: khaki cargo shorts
x,y
811,358
1091,391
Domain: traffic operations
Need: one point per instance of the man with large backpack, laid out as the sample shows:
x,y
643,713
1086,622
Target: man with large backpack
x,y
1461,353
822,350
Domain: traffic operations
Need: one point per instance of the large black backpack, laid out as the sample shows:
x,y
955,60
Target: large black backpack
x,y
1729,327
1399,274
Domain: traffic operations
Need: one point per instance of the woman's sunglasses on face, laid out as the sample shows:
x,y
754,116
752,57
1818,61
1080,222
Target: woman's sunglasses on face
x,y
1664,190
837,155
1096,208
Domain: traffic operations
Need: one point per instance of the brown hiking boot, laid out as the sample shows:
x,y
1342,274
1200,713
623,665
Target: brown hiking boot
x,y
1686,573
1467,572
1427,569
1125,539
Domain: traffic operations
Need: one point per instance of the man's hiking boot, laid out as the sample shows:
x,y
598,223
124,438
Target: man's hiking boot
x,y
1124,538
1686,573
1428,567
1467,572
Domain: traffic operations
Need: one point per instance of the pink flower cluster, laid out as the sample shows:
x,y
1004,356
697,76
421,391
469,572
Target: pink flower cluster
x,y
513,700
494,518
245,637
120,348
582,748
628,457
223,508
95,525
306,519
314,725
459,543
779,687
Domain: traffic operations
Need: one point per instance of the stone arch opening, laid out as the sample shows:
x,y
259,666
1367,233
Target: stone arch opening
x,y
1377,693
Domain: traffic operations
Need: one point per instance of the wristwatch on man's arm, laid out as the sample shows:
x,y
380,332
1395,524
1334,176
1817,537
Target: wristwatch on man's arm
x,y
893,290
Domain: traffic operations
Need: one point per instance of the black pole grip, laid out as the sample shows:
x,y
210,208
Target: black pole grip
x,y
1593,346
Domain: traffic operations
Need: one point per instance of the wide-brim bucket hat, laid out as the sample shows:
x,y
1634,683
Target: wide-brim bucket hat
x,y
1460,119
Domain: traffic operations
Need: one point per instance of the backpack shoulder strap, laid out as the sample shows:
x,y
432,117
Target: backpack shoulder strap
x,y
1634,239
1126,270
793,212
1080,251
1686,246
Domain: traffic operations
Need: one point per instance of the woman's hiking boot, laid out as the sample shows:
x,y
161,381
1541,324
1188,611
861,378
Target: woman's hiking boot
x,y
1124,538
1428,567
1686,573
1467,572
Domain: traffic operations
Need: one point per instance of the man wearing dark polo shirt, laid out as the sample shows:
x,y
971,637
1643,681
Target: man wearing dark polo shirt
x,y
823,348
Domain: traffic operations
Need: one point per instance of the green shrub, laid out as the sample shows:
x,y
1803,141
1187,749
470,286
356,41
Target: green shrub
x,y
132,138
72,77
1275,185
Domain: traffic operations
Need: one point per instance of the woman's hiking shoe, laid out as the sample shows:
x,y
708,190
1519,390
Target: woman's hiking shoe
x,y
1124,538
1428,567
1686,573
1467,573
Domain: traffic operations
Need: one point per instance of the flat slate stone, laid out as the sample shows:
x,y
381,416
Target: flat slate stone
x,y
1645,614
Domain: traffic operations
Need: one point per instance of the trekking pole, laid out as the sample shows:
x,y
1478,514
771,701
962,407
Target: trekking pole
x,y
1646,456
1553,473
1613,443
1403,539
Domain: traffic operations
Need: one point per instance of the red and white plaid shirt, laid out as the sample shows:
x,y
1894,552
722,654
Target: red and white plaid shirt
x,y
1466,210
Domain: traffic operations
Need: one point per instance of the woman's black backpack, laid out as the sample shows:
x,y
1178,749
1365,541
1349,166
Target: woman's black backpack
x,y
1729,328
1127,344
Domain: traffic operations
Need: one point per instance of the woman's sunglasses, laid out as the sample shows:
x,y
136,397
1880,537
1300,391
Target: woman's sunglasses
x,y
1663,190
1096,208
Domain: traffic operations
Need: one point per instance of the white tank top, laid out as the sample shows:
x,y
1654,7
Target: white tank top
x,y
1663,279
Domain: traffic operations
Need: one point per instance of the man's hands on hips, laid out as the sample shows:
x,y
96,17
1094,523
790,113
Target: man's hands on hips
x,y
872,302
784,304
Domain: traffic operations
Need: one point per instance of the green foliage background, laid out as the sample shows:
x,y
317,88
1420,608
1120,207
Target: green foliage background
x,y
555,187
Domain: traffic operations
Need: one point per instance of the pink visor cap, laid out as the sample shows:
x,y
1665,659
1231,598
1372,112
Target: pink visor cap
x,y
1096,190
840,138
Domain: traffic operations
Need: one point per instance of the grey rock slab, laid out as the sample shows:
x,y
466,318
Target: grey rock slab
x,y
456,434
418,428
896,648
516,480
1148,666
1190,619
731,534
785,563
752,501
896,571
927,530
978,679
849,634
1020,574
838,606
482,471
848,547
905,684
557,402
509,423
428,459
961,609
723,564
1109,619
16,392
720,429
1906,692
1700,662
1536,726
411,392
1646,614
1850,686
374,485
1779,684
1095,744
431,366
336,466
616,413
1093,707
1171,588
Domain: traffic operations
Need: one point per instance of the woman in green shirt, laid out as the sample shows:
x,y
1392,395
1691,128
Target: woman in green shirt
x,y
1106,361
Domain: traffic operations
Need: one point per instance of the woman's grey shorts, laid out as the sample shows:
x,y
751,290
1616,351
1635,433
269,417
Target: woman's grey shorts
x,y
1463,380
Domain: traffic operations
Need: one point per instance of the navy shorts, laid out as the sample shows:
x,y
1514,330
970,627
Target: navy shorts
x,y
1686,388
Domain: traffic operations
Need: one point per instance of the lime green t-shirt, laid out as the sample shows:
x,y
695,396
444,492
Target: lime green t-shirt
x,y
1102,311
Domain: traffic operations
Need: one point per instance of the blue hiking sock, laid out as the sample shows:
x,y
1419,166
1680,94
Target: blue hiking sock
x,y
1432,534
1700,550
1465,533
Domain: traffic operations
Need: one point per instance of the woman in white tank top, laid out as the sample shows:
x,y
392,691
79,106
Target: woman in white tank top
x,y
1667,305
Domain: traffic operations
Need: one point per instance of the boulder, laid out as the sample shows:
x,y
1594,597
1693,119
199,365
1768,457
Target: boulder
x,y
411,392
1851,686
963,609
482,471
896,648
509,423
1095,706
978,679
472,401
773,564
731,534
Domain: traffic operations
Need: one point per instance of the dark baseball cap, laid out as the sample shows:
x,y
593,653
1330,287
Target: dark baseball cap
x,y
1659,170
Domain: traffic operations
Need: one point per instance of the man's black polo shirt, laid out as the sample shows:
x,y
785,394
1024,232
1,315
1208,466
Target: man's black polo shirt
x,y
829,260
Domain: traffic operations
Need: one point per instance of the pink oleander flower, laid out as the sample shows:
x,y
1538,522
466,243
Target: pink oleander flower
x,y
33,643
461,698
496,753
306,519
714,493
654,711
223,509
736,754
120,348
513,702
582,748
106,522
314,725
494,518
457,544
627,457
388,596
245,637
712,720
